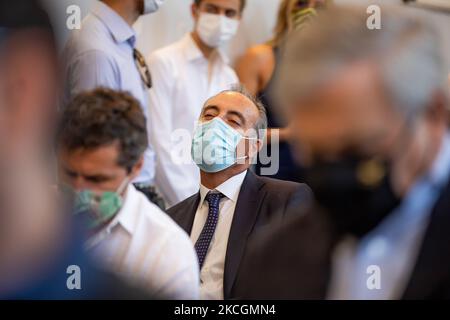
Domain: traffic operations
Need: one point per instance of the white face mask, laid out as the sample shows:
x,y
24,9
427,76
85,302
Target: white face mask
x,y
215,30
151,6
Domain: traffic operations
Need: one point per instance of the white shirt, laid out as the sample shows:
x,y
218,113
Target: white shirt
x,y
101,54
147,247
211,275
183,79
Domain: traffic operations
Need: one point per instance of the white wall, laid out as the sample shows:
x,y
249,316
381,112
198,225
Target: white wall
x,y
174,19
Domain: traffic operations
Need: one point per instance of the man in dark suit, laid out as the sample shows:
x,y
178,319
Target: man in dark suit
x,y
369,116
233,203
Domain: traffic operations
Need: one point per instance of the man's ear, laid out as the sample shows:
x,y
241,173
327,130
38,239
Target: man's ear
x,y
137,168
255,148
259,144
240,14
439,107
194,11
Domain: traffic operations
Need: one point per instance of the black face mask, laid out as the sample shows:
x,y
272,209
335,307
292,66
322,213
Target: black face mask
x,y
357,194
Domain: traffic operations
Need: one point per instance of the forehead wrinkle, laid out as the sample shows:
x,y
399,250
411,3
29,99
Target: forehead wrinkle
x,y
242,104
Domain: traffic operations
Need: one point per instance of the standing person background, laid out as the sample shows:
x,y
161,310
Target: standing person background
x,y
39,236
257,66
185,74
103,54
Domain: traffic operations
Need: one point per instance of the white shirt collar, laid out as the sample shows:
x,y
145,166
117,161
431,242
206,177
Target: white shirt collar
x,y
126,217
439,172
229,188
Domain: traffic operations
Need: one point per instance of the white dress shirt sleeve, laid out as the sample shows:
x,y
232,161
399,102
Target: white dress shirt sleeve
x,y
172,178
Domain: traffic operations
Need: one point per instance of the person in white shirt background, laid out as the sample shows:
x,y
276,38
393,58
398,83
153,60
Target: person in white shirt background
x,y
103,53
184,75
101,143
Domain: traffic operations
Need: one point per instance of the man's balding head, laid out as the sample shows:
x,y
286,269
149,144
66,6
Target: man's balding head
x,y
239,109
349,87
241,113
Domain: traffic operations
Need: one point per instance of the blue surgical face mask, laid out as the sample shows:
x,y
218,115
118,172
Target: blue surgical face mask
x,y
214,145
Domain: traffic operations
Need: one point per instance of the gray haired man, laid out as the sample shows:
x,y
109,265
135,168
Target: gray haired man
x,y
369,113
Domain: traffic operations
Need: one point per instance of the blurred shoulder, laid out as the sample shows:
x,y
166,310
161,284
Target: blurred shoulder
x,y
181,206
259,54
282,185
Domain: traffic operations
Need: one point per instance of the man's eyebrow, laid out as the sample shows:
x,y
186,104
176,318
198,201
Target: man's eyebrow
x,y
90,177
215,6
210,107
97,177
238,114
233,112
68,170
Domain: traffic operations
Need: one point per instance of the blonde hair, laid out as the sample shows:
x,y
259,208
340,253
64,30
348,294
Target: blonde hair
x,y
284,23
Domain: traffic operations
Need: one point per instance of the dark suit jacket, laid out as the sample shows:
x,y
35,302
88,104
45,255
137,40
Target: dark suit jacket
x,y
289,259
295,258
260,200
430,278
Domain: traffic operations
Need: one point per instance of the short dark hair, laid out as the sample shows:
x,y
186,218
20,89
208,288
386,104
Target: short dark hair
x,y
243,3
261,123
102,117
20,15
23,14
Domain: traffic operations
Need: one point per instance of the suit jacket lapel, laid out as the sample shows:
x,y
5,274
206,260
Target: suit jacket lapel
x,y
245,214
187,217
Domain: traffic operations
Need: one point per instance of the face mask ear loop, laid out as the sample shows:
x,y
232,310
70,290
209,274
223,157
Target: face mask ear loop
x,y
93,203
246,157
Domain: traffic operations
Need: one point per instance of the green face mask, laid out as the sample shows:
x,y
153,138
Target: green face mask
x,y
98,208
301,17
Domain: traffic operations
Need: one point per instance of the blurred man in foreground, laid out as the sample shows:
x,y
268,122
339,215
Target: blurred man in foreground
x,y
40,245
369,108
101,147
